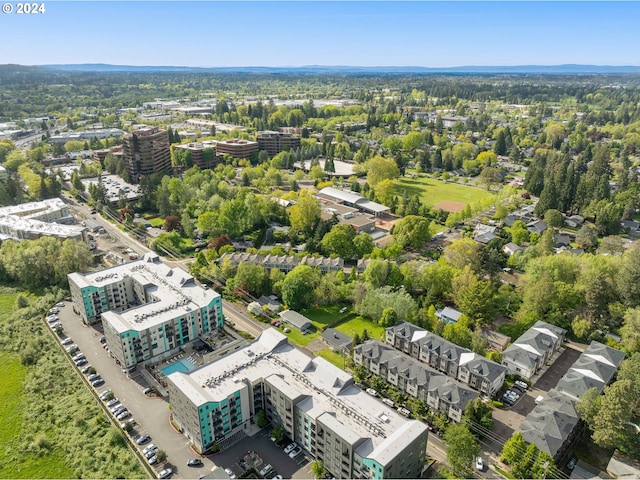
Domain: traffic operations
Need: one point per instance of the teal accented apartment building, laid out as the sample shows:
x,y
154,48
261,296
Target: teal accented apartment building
x,y
317,404
147,309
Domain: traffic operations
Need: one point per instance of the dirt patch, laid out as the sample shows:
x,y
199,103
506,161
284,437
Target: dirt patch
x,y
449,206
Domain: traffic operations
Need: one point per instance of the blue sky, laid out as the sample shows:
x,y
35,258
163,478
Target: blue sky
x,y
296,33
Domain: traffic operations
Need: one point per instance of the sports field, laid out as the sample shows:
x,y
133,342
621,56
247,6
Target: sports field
x,y
436,193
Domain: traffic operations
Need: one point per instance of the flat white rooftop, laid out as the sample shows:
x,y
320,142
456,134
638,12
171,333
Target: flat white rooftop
x,y
323,391
175,289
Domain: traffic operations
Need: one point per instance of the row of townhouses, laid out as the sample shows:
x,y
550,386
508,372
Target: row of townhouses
x,y
459,363
285,263
148,310
533,349
554,423
410,376
318,405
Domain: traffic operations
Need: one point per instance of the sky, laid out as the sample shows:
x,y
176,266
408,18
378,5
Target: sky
x,y
299,33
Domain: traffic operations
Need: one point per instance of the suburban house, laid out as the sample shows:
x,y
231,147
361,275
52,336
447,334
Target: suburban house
x,y
459,363
484,233
412,377
448,315
574,221
528,354
536,226
337,341
296,320
511,248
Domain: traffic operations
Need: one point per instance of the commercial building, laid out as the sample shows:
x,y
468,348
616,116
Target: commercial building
x,y
318,405
236,148
352,199
146,151
147,309
530,352
276,142
47,218
87,135
457,362
410,376
200,154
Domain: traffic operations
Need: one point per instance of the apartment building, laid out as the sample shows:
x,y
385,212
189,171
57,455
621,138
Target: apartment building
x,y
146,151
148,310
318,405
236,148
462,364
276,142
531,351
286,263
47,218
410,376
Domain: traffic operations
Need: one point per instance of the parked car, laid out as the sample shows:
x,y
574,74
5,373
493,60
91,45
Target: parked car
x,y
166,473
103,340
230,472
93,376
81,362
194,462
572,463
479,464
53,310
295,452
97,383
142,439
86,369
289,447
67,341
521,384
104,394
113,402
153,460
122,415
266,470
507,400
151,453
372,392
72,348
115,407
118,409
149,448
60,304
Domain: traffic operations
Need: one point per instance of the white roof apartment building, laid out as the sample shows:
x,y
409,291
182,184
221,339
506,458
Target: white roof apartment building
x,y
148,310
47,218
318,405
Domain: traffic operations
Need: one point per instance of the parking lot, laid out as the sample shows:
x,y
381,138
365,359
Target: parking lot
x,y
150,413
269,452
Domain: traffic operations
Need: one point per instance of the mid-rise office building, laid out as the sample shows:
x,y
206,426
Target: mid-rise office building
x,y
148,310
146,151
276,142
236,148
201,155
318,405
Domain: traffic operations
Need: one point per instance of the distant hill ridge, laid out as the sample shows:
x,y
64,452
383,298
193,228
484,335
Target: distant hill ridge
x,y
343,69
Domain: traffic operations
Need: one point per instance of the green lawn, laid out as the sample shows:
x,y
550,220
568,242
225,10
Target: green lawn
x,y
156,222
323,316
359,325
296,337
434,191
13,374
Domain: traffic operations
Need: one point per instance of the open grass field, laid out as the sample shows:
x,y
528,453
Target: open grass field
x,y
433,192
359,325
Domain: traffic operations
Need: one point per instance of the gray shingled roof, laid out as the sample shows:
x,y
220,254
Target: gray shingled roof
x,y
550,423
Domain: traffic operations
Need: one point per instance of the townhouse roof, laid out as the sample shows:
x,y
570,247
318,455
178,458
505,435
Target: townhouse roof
x,y
533,343
550,423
